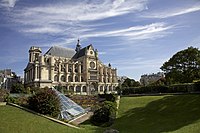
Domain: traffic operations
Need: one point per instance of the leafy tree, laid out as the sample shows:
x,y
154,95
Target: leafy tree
x,y
130,83
17,88
45,102
183,67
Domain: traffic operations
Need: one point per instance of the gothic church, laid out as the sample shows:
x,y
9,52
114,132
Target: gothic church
x,y
79,71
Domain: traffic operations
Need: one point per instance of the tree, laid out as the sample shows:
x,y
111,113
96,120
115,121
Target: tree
x,y
17,88
183,67
45,102
130,83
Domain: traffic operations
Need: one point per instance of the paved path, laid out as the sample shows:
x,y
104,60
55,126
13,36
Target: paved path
x,y
82,118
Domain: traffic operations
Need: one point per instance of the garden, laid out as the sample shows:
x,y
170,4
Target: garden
x,y
168,113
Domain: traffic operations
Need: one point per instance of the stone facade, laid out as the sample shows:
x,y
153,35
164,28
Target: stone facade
x,y
79,71
151,78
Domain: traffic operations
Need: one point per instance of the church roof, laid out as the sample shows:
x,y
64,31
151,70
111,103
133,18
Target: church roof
x,y
82,52
60,52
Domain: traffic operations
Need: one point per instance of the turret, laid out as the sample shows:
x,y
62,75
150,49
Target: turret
x,y
78,46
34,54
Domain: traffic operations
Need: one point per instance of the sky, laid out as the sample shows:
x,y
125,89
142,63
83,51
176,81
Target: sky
x,y
135,36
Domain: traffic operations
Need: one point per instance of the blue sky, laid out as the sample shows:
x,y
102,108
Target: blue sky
x,y
135,36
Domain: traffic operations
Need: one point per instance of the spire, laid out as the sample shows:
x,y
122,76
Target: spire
x,y
78,46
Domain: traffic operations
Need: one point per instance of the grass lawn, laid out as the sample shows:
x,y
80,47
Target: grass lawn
x,y
155,114
14,120
147,114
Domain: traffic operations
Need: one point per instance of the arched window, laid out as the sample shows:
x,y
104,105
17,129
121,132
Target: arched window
x,y
110,88
81,68
69,68
76,78
69,79
101,88
63,79
84,89
76,67
63,68
78,89
56,78
71,89
56,67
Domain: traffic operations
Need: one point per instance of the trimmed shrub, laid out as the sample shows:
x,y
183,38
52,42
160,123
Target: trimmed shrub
x,y
112,107
100,116
45,102
176,88
105,115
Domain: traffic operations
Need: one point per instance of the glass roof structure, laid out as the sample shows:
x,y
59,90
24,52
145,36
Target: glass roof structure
x,y
69,109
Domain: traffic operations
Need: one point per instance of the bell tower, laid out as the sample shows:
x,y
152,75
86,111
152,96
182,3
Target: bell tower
x,y
34,53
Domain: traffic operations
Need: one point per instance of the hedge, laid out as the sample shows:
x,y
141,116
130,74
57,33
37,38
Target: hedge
x,y
176,88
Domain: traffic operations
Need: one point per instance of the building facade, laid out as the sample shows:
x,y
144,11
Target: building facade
x,y
79,71
151,78
8,78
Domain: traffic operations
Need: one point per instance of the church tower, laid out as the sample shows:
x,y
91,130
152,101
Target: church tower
x,y
34,54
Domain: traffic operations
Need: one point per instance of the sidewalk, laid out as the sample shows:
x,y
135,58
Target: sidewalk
x,y
82,118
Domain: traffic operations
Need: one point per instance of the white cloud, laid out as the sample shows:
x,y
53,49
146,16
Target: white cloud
x,y
151,31
8,3
172,12
77,20
43,30
73,18
85,11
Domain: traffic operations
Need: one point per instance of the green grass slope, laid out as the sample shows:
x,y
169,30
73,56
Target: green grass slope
x,y
155,114
147,114
14,120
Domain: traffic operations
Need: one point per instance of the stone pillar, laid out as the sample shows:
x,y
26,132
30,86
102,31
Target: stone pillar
x,y
32,73
52,61
66,68
36,72
42,60
73,68
88,90
101,74
67,87
74,88
79,67
66,73
73,77
98,89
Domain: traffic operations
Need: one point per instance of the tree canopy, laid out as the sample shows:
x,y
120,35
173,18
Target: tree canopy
x,y
130,83
183,67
